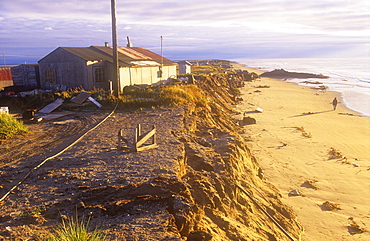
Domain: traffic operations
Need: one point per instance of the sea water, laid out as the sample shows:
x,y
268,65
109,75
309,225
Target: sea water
x,y
350,77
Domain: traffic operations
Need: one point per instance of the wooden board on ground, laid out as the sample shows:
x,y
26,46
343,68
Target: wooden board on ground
x,y
52,106
80,98
54,115
95,102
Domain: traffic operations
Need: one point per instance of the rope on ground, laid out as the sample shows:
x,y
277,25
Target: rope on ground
x,y
58,154
266,213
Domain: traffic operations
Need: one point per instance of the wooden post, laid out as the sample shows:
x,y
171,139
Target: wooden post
x,y
122,139
119,139
139,139
154,140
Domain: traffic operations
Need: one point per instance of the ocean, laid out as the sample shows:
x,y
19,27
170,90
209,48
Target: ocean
x,y
350,77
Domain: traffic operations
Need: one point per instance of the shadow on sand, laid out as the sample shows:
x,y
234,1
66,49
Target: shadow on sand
x,y
251,112
310,113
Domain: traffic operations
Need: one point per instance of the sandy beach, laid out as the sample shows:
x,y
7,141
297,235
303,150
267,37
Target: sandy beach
x,y
321,154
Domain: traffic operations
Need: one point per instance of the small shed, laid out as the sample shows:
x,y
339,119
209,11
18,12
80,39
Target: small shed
x,y
92,67
184,67
27,76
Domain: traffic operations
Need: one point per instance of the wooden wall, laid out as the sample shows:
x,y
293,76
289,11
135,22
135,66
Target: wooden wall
x,y
70,70
26,75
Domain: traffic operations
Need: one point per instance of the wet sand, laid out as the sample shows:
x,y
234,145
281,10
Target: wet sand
x,y
292,140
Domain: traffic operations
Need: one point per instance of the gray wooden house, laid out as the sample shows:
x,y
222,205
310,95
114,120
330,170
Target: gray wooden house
x,y
92,67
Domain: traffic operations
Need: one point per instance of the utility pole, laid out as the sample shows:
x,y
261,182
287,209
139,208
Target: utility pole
x,y
116,77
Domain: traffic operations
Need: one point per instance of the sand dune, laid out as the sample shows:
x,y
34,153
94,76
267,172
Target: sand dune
x,y
304,145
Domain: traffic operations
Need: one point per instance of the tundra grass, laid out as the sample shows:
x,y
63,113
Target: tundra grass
x,y
10,127
75,229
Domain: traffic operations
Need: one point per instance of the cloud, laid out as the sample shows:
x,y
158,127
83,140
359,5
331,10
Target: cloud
x,y
201,28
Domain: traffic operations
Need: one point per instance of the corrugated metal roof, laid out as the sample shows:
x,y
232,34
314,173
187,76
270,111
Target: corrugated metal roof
x,y
151,55
129,51
87,53
123,60
127,56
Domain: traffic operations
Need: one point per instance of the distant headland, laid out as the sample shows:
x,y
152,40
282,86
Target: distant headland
x,y
281,73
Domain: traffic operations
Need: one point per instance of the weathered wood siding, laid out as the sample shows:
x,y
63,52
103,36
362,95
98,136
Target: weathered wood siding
x,y
26,75
92,83
70,70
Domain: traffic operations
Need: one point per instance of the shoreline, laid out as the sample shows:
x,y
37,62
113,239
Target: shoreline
x,y
292,140
336,94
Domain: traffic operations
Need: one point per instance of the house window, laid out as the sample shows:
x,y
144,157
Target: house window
x,y
99,74
50,75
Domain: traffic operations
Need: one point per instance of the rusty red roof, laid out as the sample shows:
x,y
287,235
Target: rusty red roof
x,y
5,74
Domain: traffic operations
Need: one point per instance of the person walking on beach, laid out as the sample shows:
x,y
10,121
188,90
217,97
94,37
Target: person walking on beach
x,y
335,103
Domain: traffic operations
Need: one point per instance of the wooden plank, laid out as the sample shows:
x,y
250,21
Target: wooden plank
x,y
138,132
154,140
145,138
94,101
144,148
121,138
80,98
52,106
54,115
136,136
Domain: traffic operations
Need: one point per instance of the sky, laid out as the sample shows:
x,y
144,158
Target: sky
x,y
191,29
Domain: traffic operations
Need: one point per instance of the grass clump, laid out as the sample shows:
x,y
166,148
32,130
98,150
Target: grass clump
x,y
73,229
310,184
35,212
330,206
10,127
132,97
181,95
335,154
304,132
135,97
354,228
204,70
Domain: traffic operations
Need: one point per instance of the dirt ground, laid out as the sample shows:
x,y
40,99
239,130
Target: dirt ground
x,y
200,183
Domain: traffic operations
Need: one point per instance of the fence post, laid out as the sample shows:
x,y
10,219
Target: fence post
x,y
154,140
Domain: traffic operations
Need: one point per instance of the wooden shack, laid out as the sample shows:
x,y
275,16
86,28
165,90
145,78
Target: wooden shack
x,y
92,67
184,67
26,76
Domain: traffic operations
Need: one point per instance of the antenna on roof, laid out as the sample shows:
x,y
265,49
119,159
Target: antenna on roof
x,y
162,51
4,60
